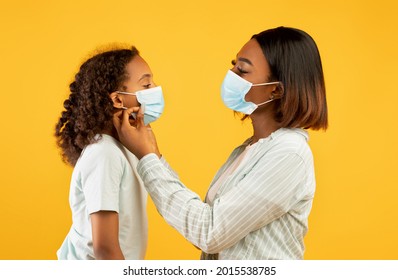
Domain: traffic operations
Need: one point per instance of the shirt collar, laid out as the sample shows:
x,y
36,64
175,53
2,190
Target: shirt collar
x,y
276,134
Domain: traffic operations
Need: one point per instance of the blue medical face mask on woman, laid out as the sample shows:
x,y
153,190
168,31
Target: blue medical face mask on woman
x,y
153,100
233,91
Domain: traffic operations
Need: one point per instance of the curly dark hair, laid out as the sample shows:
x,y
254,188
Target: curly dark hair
x,y
89,109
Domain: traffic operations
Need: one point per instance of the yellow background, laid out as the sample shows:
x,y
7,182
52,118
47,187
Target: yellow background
x,y
189,46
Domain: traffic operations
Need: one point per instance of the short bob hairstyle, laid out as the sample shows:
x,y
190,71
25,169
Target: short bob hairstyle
x,y
294,60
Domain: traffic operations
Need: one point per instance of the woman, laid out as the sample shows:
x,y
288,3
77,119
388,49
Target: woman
x,y
258,204
107,197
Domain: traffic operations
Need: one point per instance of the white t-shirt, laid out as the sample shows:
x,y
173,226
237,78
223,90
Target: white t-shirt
x,y
105,178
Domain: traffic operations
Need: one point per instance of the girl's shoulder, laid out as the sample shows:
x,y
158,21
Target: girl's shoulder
x,y
105,147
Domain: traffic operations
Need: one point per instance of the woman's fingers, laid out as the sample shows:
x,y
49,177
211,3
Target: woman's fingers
x,y
121,120
137,139
128,112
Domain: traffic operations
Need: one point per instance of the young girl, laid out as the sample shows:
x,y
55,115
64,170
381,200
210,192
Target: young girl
x,y
107,197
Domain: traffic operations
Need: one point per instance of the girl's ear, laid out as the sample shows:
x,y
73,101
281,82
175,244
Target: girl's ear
x,y
117,101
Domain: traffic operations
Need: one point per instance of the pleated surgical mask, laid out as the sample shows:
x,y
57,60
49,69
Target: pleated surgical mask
x,y
233,91
153,100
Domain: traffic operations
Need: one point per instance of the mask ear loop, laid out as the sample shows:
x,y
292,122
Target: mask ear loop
x,y
124,92
272,96
268,101
265,84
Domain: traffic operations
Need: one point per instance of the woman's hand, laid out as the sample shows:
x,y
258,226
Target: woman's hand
x,y
138,139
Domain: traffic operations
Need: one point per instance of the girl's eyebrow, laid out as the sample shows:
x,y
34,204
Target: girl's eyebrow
x,y
145,76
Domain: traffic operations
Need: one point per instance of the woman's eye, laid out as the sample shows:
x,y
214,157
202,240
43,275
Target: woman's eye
x,y
147,85
233,62
241,70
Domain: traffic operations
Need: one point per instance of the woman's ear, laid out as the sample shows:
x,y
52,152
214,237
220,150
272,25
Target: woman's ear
x,y
117,101
278,92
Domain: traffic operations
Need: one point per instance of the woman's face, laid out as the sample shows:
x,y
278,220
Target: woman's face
x,y
140,78
252,66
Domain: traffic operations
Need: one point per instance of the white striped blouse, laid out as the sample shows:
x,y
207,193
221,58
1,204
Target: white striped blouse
x,y
260,211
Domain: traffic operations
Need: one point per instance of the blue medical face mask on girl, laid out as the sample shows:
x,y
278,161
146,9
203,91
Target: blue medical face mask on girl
x,y
152,100
233,91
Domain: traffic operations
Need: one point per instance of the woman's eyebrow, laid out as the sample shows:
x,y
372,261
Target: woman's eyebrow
x,y
245,60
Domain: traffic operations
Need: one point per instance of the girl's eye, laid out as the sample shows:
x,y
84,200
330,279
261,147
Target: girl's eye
x,y
147,85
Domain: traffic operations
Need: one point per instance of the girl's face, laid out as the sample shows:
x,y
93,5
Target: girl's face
x,y
252,66
140,77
